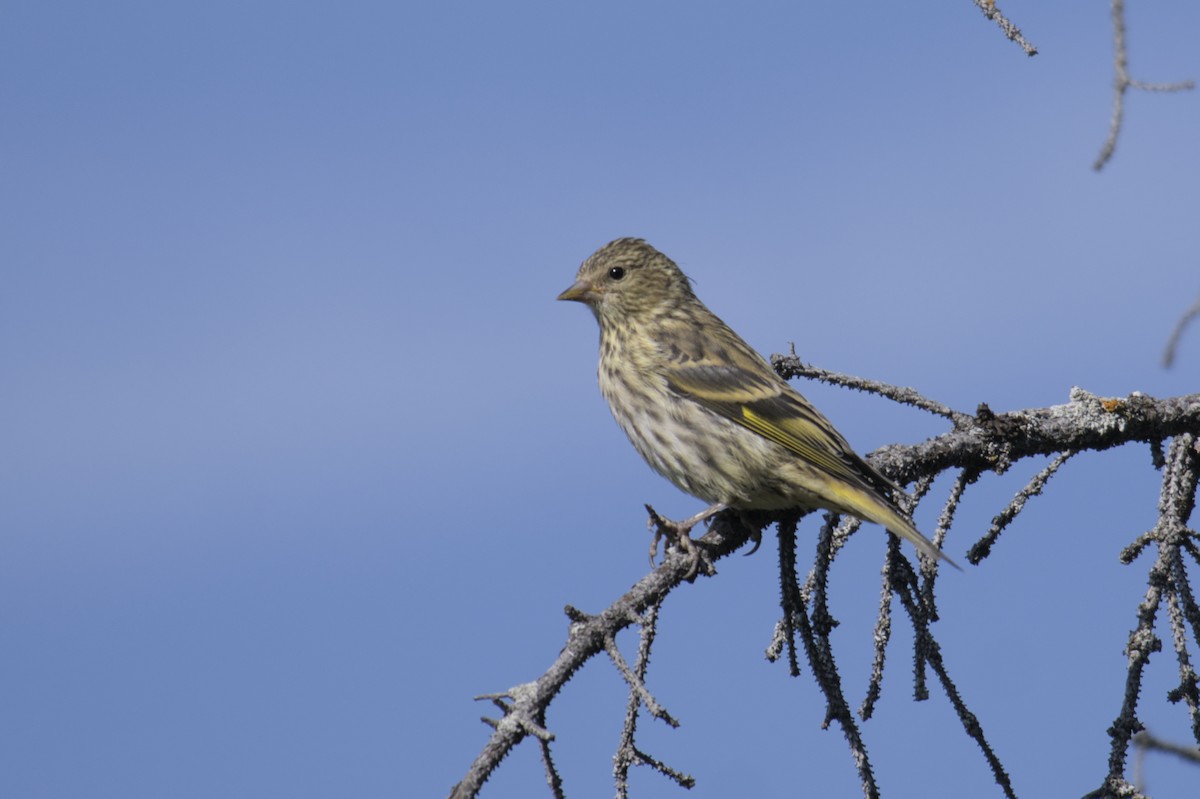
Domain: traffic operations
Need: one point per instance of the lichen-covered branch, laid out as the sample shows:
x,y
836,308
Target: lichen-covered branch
x,y
587,637
977,444
991,442
1167,579
628,753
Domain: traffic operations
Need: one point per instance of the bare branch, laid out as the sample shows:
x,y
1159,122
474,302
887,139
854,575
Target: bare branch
x,y
1145,741
628,754
814,633
1011,31
1122,83
1176,334
553,778
929,651
977,444
1170,533
586,639
791,600
883,635
1033,488
636,686
789,366
992,442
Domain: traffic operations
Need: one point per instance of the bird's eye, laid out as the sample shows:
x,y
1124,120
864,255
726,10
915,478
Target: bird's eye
x,y
617,272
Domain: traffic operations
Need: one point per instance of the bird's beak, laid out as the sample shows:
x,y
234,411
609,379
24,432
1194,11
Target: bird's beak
x,y
579,291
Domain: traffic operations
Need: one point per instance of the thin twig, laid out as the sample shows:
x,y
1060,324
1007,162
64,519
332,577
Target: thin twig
x,y
635,683
1123,83
1033,488
553,778
790,600
883,621
585,640
628,754
883,635
814,633
1167,577
1144,740
789,366
975,445
930,652
1011,31
1186,691
1168,358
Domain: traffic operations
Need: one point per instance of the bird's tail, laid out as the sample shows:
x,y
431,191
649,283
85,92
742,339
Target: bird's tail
x,y
869,505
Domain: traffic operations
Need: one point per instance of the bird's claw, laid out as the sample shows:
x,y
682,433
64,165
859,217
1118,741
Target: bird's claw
x,y
756,537
677,533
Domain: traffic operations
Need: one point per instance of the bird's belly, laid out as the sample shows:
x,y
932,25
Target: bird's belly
x,y
707,455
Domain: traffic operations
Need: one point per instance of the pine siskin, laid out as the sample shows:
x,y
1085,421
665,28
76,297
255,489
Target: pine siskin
x,y
707,412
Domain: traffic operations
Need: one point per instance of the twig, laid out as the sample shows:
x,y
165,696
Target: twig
x,y
1122,83
789,366
1146,741
927,650
790,600
1170,533
628,754
976,444
1168,358
636,686
1011,31
586,639
1033,488
814,633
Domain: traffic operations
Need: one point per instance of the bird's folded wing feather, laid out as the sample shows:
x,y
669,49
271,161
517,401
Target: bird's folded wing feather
x,y
771,408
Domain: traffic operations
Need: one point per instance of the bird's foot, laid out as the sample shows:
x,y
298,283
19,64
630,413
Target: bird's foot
x,y
678,534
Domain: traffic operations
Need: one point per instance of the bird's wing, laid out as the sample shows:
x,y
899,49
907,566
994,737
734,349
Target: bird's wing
x,y
738,385
756,399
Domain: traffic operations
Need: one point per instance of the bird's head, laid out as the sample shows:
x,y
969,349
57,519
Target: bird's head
x,y
627,279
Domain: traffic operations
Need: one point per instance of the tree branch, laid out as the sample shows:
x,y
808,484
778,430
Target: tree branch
x,y
1123,83
1011,31
1177,334
978,443
1167,577
586,638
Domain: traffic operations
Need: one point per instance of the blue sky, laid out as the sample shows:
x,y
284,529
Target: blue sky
x,y
300,454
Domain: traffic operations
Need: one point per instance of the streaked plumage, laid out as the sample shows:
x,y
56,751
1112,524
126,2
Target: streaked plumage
x,y
705,410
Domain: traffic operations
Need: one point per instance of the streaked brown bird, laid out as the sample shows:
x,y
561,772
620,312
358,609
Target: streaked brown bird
x,y
709,413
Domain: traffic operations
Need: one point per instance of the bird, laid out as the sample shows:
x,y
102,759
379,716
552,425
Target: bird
x,y
707,412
